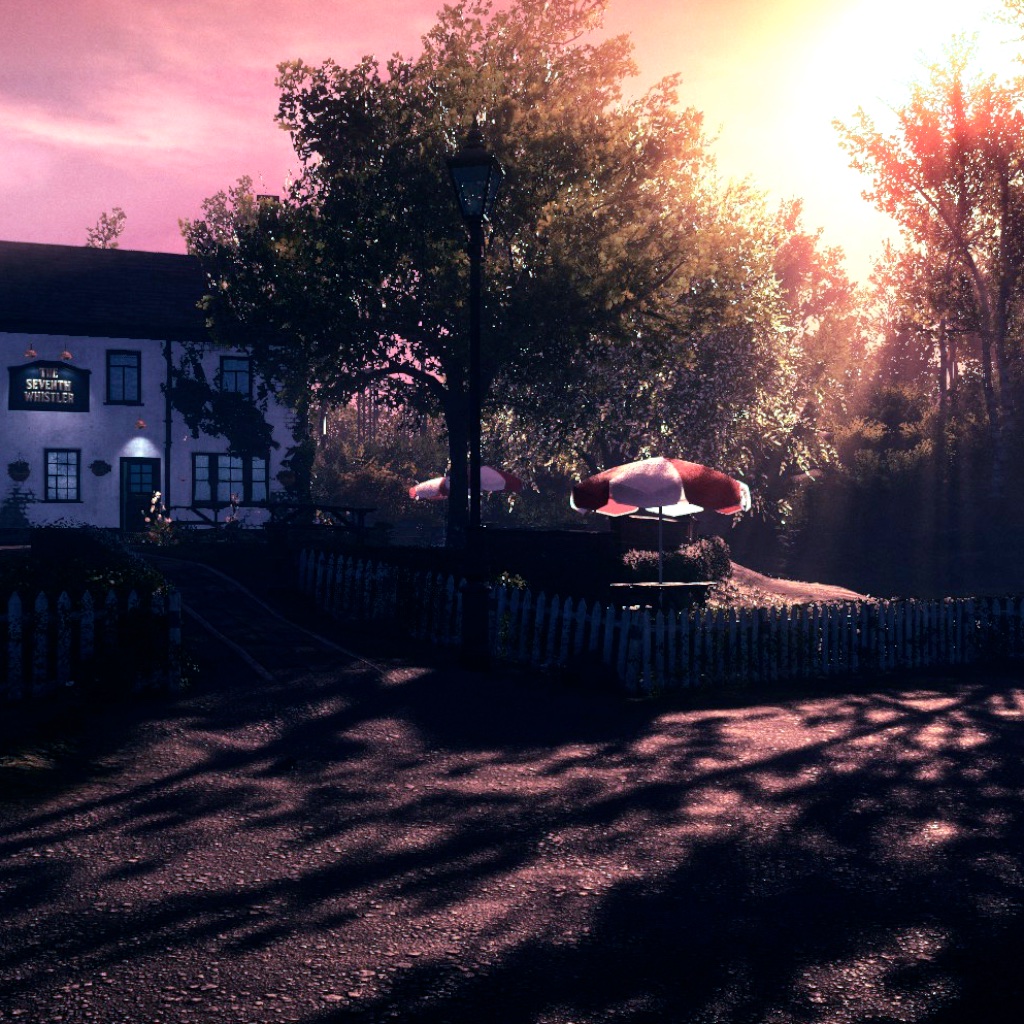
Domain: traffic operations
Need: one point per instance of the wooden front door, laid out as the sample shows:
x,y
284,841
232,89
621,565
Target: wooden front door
x,y
140,478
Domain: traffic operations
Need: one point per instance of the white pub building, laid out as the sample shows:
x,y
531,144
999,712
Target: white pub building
x,y
88,339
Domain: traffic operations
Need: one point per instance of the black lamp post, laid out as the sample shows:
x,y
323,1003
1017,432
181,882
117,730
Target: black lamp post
x,y
476,177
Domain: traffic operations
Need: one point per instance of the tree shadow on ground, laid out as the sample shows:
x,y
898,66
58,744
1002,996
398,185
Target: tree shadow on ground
x,y
425,845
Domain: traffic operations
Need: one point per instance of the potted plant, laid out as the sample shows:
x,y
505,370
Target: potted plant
x,y
99,467
18,470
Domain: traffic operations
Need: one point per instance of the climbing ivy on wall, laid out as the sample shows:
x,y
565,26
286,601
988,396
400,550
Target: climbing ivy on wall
x,y
207,409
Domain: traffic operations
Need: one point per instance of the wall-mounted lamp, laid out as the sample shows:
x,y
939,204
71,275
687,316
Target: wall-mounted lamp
x,y
30,353
66,356
140,424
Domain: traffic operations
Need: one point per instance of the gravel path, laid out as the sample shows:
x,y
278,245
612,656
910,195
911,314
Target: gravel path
x,y
308,836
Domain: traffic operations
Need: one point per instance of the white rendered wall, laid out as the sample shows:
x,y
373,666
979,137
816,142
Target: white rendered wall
x,y
107,432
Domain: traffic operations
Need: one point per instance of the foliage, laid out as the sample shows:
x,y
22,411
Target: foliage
x,y
707,558
510,581
208,409
951,175
159,524
104,234
358,275
749,369
375,468
13,514
232,521
76,558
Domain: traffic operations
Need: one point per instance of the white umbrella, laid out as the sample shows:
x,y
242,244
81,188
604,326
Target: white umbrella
x,y
438,487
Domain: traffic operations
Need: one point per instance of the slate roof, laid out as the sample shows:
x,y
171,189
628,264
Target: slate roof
x,y
100,293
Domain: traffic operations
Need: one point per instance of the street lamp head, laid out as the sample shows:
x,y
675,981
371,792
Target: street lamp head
x,y
476,177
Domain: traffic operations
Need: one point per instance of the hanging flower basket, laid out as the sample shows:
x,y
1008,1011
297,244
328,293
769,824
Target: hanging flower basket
x,y
18,470
100,468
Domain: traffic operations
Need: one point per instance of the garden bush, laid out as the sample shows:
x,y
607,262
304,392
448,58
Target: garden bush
x,y
76,559
707,558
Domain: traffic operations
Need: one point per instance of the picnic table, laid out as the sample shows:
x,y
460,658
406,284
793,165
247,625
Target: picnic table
x,y
286,513
298,513
653,594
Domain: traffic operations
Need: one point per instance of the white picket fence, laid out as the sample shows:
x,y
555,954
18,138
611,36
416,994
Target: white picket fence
x,y
648,651
46,643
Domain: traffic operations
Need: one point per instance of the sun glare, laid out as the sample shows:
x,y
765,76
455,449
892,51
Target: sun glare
x,y
871,51
868,53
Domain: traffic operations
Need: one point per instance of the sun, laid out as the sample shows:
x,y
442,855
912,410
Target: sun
x,y
868,54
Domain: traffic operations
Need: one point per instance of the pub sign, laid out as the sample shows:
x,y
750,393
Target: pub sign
x,y
48,386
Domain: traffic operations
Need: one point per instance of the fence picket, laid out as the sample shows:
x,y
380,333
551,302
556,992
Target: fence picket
x,y
633,650
47,648
15,652
40,628
538,629
623,639
87,628
63,645
688,647
579,628
566,637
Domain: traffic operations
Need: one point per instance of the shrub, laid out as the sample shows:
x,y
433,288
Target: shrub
x,y
711,558
76,558
705,559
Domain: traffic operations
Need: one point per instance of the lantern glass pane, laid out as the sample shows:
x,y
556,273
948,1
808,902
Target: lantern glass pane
x,y
471,188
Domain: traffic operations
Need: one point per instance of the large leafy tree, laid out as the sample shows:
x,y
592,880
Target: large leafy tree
x,y
358,275
745,362
951,175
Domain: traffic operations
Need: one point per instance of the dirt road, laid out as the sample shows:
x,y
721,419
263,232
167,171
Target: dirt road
x,y
306,836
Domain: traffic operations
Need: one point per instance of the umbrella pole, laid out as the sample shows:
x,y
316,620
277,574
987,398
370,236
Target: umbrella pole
x,y
661,554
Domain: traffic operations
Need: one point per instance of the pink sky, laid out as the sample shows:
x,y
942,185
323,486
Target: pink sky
x,y
152,106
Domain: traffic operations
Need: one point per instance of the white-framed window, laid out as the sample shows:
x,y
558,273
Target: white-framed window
x,y
215,477
63,474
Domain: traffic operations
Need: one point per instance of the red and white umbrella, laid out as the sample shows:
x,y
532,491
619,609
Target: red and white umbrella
x,y
670,487
437,488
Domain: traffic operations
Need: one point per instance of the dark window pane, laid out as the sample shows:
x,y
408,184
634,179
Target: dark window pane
x,y
124,376
235,374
